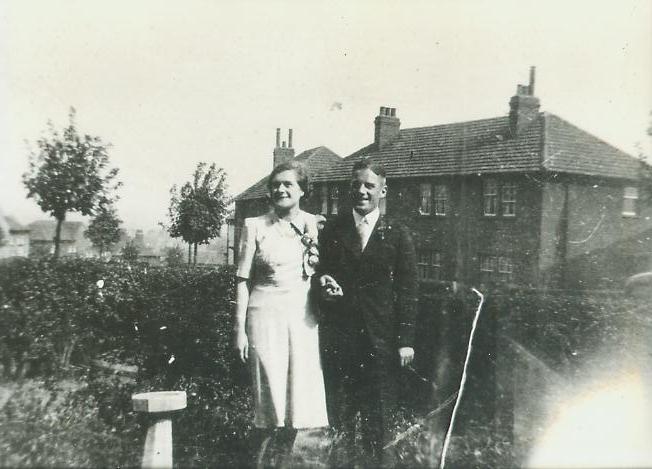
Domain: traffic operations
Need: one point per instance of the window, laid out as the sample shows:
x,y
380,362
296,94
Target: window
x,y
335,195
425,198
496,268
505,269
324,199
441,199
428,264
509,199
490,195
630,198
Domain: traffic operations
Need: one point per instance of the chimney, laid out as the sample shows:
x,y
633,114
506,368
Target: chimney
x,y
387,126
282,152
523,107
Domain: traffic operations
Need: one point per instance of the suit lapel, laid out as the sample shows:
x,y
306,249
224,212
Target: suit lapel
x,y
349,236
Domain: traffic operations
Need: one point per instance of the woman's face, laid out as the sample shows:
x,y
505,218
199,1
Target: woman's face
x,y
285,190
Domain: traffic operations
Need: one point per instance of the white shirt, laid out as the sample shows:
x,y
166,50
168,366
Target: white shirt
x,y
365,224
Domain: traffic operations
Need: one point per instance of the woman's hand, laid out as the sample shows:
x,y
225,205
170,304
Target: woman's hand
x,y
242,344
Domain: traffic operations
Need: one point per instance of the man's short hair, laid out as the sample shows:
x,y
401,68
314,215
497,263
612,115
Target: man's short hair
x,y
367,163
303,178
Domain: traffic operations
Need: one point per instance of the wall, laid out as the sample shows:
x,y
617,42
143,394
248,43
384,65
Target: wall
x,y
585,237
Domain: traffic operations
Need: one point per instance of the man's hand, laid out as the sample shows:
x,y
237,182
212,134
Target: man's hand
x,y
406,355
330,289
242,344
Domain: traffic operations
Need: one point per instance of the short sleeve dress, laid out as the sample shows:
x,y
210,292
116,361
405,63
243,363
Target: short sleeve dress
x,y
284,356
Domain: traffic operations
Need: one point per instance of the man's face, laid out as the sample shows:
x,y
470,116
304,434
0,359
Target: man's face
x,y
367,188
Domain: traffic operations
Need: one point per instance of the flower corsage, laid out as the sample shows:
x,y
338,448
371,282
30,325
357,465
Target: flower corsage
x,y
311,251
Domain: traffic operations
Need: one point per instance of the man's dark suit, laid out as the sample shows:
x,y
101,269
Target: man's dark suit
x,y
361,332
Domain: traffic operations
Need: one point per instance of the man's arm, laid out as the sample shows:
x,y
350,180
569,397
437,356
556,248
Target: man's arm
x,y
323,279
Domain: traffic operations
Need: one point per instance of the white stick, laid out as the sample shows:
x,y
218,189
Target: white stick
x,y
449,432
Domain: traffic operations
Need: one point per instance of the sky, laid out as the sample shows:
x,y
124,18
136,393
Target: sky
x,y
170,84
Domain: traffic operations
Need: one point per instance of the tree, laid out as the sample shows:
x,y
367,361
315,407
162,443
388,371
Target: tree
x,y
173,256
69,173
104,229
198,210
130,251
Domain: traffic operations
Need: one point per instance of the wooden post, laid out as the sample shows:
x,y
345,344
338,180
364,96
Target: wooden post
x,y
158,443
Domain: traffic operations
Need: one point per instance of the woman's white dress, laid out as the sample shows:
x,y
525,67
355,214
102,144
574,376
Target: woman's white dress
x,y
281,326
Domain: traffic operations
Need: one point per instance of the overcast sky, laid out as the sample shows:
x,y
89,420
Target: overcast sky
x,y
170,84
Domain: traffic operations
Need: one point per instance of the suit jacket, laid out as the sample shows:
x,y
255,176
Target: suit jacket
x,y
379,284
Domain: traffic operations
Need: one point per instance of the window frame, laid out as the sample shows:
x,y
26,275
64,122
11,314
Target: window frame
x,y
490,197
334,197
505,202
323,195
425,197
439,200
628,199
428,265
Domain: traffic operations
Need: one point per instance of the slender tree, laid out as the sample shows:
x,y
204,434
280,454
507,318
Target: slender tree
x,y
198,209
69,173
104,229
130,251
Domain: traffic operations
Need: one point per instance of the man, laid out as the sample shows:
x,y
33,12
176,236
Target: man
x,y
368,281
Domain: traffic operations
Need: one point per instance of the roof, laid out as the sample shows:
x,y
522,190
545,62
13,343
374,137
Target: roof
x,y
316,160
14,226
43,230
487,146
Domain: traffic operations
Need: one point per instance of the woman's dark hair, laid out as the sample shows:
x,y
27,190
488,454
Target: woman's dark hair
x,y
303,178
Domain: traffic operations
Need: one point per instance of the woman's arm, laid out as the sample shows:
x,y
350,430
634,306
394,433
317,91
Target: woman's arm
x,y
241,302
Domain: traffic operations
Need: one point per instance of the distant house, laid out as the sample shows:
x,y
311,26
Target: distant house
x,y
527,198
73,242
14,238
253,201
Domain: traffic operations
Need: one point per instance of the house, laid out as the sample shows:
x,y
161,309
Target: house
x,y
254,202
14,238
527,198
72,240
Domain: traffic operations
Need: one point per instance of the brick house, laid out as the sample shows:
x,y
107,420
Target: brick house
x,y
14,238
526,198
253,201
73,242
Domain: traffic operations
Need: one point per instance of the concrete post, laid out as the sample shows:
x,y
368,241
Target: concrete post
x,y
158,443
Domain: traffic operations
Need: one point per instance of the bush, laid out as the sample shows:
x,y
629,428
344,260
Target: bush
x,y
166,320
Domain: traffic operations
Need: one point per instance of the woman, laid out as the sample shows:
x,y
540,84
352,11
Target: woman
x,y
276,329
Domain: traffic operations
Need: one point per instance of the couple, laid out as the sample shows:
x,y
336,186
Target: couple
x,y
364,272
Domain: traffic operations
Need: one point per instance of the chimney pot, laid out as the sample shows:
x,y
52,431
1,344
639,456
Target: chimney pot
x,y
283,144
278,137
393,112
532,79
382,111
290,138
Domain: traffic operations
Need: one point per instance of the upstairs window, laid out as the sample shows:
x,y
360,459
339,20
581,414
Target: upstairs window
x,y
425,198
323,196
630,200
335,196
490,195
428,264
441,199
508,194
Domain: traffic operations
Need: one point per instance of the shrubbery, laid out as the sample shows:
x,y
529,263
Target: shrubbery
x,y
175,324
